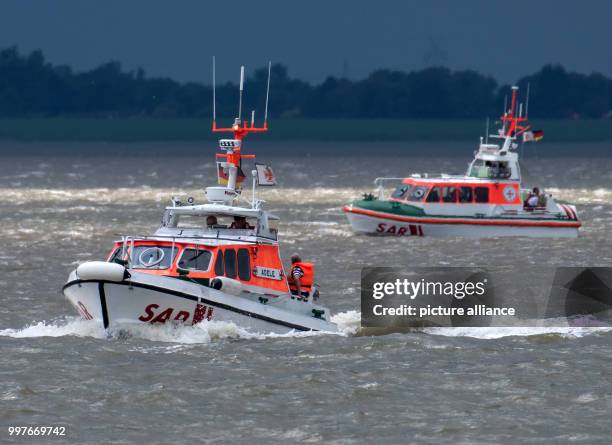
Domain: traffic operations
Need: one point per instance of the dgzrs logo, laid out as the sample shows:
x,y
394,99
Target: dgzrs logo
x,y
509,193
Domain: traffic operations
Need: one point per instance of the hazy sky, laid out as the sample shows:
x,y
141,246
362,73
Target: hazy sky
x,y
314,38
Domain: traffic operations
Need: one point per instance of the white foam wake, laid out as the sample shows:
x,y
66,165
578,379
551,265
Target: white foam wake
x,y
349,324
58,328
74,326
516,331
206,332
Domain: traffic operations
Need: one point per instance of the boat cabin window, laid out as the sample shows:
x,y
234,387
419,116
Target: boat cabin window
x,y
116,255
434,195
242,223
195,259
465,194
478,169
481,194
219,263
490,169
449,194
273,227
214,222
230,263
244,265
417,193
499,170
401,191
153,257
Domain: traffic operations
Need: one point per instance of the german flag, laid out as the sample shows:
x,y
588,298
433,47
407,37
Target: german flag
x,y
534,135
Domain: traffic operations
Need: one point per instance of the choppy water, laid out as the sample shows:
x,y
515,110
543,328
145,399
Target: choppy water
x,y
219,383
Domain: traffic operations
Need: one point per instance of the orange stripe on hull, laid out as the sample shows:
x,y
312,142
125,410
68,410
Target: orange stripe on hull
x,y
481,222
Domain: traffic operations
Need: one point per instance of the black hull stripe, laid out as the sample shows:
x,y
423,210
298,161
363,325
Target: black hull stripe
x,y
103,305
188,297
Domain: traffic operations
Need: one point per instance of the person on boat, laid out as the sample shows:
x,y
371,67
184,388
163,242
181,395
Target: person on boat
x,y
240,222
211,221
493,169
301,277
532,199
504,171
541,199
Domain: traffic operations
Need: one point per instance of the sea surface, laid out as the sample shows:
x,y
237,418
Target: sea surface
x,y
217,383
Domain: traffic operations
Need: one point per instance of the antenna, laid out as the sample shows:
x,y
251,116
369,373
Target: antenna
x,y
487,132
527,101
214,97
241,88
505,111
520,113
267,93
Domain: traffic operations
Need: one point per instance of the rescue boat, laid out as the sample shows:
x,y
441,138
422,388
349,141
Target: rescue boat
x,y
214,260
488,201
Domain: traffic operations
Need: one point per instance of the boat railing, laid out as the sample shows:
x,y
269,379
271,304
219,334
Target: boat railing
x,y
379,183
251,237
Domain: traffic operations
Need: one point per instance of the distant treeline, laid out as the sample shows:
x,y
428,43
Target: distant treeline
x,y
32,87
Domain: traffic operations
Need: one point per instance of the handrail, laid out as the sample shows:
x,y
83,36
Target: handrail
x,y
174,238
379,184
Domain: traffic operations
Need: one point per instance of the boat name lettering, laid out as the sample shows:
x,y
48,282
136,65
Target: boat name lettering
x,y
392,229
268,272
153,314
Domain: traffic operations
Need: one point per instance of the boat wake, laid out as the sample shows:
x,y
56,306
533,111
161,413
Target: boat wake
x,y
349,325
203,333
516,331
58,328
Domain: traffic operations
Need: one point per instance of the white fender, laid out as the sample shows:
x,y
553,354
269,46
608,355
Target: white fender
x,y
228,285
101,270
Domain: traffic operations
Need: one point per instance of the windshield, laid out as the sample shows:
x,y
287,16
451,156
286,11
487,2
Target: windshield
x,y
195,259
401,191
417,193
152,257
490,169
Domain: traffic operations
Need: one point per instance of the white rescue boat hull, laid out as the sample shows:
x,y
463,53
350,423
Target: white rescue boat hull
x,y
146,298
380,225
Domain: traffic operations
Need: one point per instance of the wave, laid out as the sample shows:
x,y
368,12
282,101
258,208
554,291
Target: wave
x,y
516,331
311,195
134,195
168,333
59,328
202,333
348,322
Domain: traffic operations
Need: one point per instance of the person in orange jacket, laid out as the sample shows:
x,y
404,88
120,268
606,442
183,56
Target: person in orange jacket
x,y
301,277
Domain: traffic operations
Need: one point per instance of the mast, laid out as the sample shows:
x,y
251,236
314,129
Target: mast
x,y
513,122
240,129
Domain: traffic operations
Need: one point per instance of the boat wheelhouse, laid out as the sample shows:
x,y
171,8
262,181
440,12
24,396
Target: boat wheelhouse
x,y
199,252
488,201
